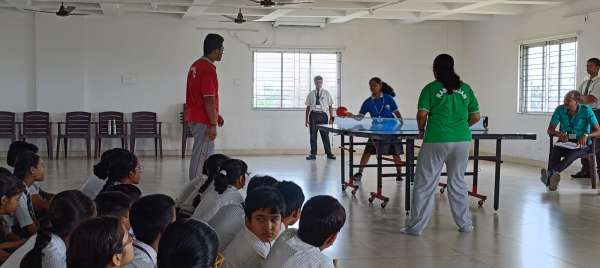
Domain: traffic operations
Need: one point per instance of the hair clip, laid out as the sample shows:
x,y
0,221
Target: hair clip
x,y
224,172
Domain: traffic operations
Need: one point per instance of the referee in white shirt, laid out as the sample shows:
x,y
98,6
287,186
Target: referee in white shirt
x,y
318,103
590,91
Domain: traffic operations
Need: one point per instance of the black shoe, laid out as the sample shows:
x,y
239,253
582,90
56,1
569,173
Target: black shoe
x,y
331,156
357,176
580,174
311,157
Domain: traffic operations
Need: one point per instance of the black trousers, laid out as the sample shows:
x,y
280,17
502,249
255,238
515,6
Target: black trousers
x,y
585,165
561,158
314,119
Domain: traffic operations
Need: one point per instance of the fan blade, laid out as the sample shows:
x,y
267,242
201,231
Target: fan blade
x,y
43,11
78,14
229,17
70,8
293,3
255,1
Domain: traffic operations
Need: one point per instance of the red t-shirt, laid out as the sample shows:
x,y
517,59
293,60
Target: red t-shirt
x,y
201,81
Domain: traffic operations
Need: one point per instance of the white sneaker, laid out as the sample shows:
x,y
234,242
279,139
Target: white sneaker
x,y
554,180
544,177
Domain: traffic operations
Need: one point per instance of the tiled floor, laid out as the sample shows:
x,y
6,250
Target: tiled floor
x,y
533,228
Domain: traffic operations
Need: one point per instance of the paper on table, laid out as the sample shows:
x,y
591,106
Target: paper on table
x,y
567,145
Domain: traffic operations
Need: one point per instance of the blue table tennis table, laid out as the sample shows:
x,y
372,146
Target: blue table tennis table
x,y
390,130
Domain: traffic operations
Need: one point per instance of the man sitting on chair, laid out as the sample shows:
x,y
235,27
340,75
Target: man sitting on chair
x,y
578,125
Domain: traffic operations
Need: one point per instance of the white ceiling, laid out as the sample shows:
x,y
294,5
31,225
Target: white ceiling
x,y
327,11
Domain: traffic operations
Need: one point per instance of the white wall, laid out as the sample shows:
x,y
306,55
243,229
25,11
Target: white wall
x,y
83,60
491,67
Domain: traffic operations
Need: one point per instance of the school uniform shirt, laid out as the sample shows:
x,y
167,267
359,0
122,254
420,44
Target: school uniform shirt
x,y
580,123
228,222
213,201
289,251
54,254
202,82
144,256
383,106
185,200
591,86
25,215
92,186
324,100
448,119
246,250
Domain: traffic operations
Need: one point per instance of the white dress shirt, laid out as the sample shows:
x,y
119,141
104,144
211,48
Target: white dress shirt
x,y
594,90
185,200
325,100
289,251
213,201
54,254
228,222
92,186
144,256
246,250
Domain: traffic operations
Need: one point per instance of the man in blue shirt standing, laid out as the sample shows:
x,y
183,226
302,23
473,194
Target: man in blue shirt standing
x,y
578,124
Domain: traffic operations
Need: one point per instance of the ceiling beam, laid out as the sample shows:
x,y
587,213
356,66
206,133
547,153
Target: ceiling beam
x,y
458,10
364,13
278,13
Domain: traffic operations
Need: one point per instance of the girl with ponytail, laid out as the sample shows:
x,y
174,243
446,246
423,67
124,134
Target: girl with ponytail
x,y
66,211
227,183
95,183
123,168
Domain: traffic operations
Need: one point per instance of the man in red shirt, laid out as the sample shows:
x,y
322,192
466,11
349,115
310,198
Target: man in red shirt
x,y
202,103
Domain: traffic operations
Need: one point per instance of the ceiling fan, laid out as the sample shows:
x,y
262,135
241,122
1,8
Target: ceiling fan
x,y
62,11
270,3
239,19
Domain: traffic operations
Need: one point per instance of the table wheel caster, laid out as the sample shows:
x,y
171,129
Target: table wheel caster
x,y
344,187
442,190
480,202
354,190
370,200
385,202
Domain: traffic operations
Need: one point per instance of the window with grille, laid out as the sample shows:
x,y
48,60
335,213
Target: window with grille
x,y
548,71
283,79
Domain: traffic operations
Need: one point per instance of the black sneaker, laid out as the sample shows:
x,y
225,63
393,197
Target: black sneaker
x,y
357,176
311,157
581,174
331,156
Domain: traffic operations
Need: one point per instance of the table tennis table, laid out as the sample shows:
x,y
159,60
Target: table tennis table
x,y
391,130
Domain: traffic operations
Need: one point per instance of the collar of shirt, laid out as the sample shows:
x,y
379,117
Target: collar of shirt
x,y
259,246
209,60
378,97
147,251
593,79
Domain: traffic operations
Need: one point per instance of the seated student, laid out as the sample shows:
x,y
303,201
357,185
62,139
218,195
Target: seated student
x,y
124,168
185,200
17,148
30,169
230,179
229,220
188,243
94,184
116,204
48,248
264,208
100,242
294,198
149,217
133,192
11,189
576,122
321,220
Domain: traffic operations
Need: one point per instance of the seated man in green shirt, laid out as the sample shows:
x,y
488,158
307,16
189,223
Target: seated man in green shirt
x,y
578,124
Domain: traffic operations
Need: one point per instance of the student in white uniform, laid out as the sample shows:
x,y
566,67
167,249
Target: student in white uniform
x,y
115,204
322,219
30,168
48,248
228,183
149,218
294,198
124,168
94,183
188,243
190,196
264,208
100,243
11,189
230,219
40,198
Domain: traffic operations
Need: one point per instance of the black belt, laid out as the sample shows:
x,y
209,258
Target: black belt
x,y
321,112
